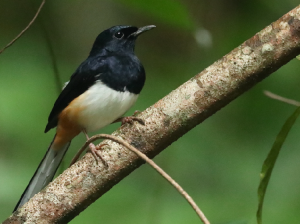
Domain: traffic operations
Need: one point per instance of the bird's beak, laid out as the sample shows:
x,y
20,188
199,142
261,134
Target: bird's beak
x,y
142,30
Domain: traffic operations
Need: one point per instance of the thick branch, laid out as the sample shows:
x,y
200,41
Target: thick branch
x,y
166,121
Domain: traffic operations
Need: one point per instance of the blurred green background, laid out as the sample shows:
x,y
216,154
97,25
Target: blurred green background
x,y
217,163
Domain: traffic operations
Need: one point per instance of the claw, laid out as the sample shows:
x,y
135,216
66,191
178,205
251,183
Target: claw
x,y
136,112
94,150
130,120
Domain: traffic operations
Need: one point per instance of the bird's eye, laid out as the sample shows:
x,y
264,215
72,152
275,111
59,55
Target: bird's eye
x,y
119,35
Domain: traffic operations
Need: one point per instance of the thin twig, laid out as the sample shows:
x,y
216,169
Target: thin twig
x,y
153,164
80,151
26,28
282,99
57,78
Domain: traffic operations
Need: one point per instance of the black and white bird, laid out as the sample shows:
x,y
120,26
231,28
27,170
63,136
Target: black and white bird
x,y
99,93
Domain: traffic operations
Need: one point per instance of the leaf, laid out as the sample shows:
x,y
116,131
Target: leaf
x,y
171,12
270,161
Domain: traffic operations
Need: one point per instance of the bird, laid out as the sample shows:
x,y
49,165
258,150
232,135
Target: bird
x,y
101,90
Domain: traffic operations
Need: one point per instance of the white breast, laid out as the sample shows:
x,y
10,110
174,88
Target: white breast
x,y
100,106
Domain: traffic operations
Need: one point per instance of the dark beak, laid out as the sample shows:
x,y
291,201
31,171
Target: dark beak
x,y
142,30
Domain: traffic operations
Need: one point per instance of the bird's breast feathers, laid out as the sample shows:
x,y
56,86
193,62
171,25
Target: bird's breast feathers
x,y
99,106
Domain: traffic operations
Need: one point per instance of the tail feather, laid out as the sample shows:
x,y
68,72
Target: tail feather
x,y
44,173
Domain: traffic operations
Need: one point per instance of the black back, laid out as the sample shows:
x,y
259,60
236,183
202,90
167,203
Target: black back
x,y
111,61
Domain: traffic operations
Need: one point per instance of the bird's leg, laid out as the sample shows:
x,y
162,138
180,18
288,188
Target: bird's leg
x,y
130,119
93,149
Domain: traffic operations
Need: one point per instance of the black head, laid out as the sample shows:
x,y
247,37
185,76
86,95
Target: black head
x,y
118,38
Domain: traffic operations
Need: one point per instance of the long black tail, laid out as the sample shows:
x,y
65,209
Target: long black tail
x,y
44,173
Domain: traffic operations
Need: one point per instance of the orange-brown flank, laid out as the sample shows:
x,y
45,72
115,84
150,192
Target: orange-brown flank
x,y
67,127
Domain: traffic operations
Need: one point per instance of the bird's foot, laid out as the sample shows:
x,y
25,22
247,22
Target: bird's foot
x,y
95,152
136,112
130,119
92,148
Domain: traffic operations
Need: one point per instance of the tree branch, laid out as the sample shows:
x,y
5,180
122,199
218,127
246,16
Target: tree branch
x,y
26,28
156,167
166,121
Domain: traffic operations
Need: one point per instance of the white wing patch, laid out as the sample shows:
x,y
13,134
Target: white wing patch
x,y
66,83
98,75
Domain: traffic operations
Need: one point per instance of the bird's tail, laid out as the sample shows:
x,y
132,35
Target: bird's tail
x,y
44,173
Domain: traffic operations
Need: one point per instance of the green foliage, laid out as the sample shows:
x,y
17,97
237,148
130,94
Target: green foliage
x,y
270,161
170,12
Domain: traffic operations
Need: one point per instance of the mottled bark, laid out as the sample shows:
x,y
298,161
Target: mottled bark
x,y
166,121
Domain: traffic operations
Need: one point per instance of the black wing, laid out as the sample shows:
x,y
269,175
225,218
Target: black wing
x,y
119,72
83,78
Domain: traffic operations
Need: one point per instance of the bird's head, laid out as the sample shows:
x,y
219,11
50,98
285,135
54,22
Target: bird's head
x,y
118,38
